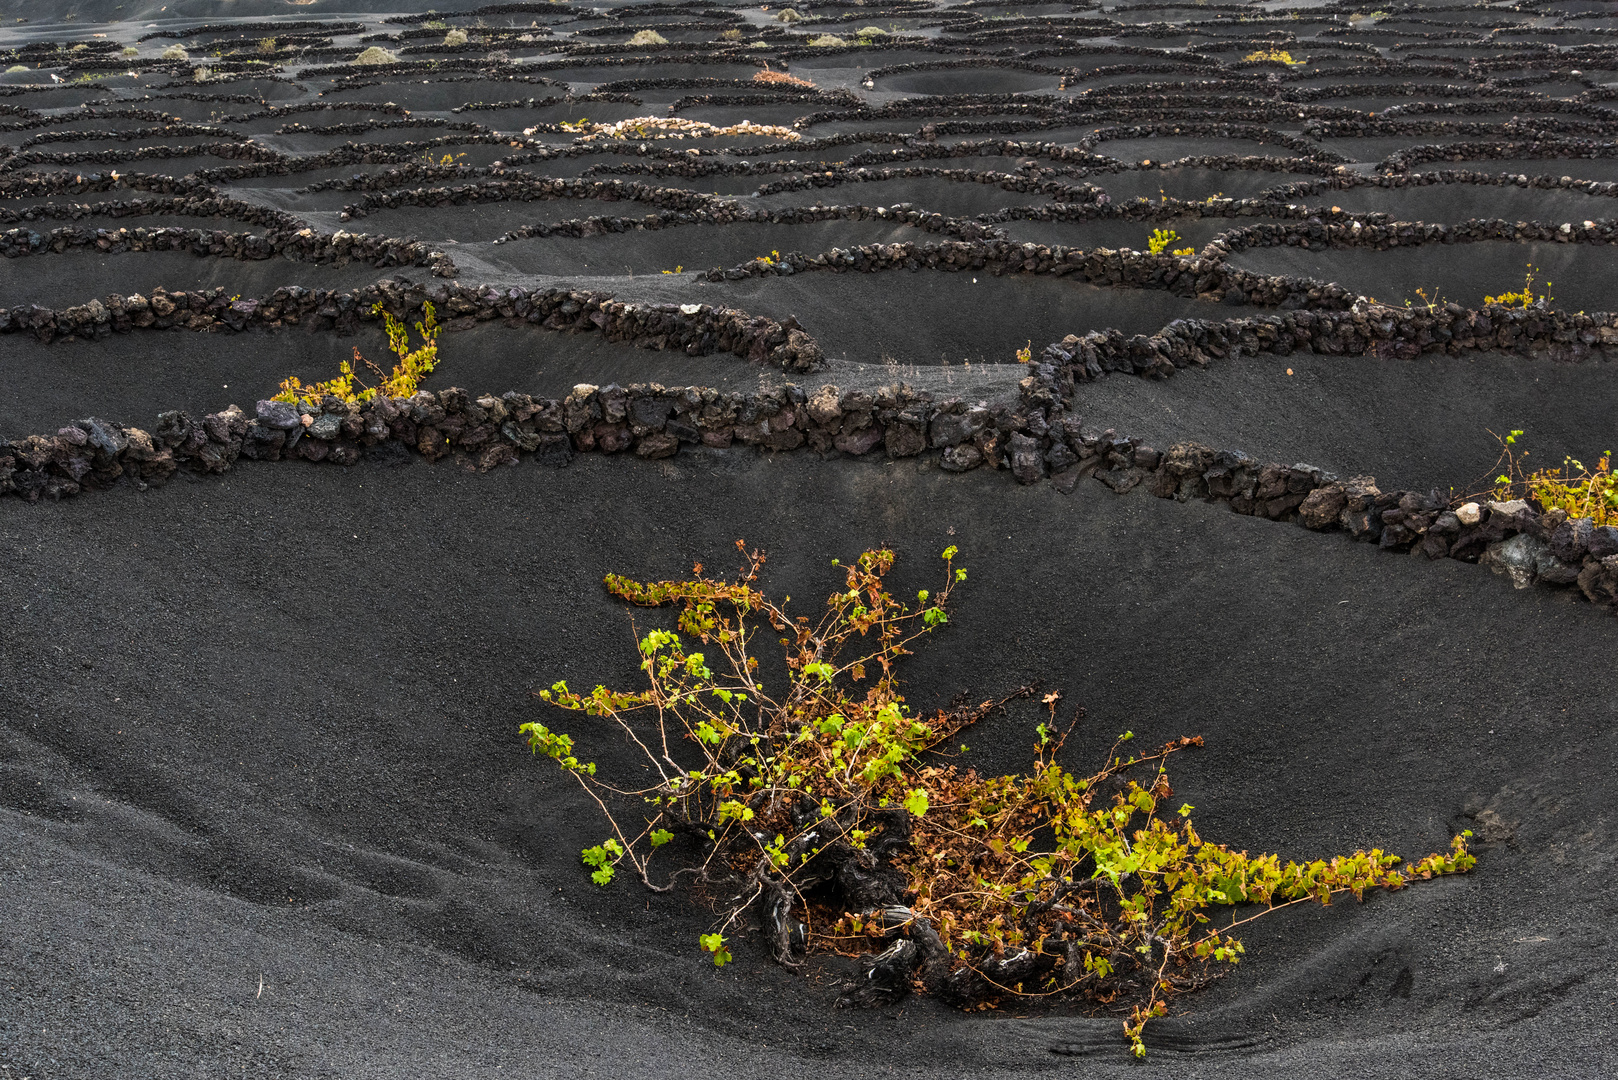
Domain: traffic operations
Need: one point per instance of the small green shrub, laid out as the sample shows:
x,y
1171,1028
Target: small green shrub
x,y
1161,239
1524,298
414,365
829,41
1272,56
1576,489
14,68
175,52
788,15
374,56
455,37
130,50
647,37
1047,884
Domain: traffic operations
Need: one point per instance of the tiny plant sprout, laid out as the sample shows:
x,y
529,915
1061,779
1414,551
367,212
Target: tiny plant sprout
x,y
715,944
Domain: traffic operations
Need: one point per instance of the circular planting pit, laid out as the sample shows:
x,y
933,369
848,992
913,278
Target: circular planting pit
x,y
1456,202
301,143
1373,151
51,97
178,371
593,74
474,223
77,276
842,59
516,119
1603,169
961,318
123,159
1424,435
973,80
1174,147
1463,273
249,89
956,197
133,148
1191,232
723,115
690,248
731,186
1190,183
439,95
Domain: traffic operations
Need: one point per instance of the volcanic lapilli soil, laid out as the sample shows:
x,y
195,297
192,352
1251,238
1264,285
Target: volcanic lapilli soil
x,y
264,807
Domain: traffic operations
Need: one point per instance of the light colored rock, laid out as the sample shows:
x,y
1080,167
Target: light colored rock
x,y
1515,558
825,406
1469,513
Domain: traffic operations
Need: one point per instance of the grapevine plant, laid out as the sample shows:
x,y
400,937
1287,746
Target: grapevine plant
x,y
1273,56
1576,489
833,808
1524,298
414,365
1163,239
